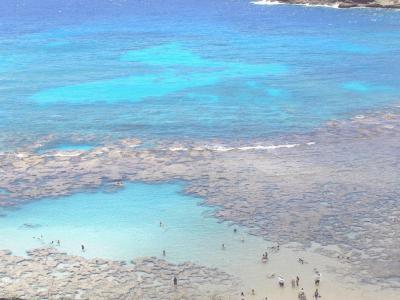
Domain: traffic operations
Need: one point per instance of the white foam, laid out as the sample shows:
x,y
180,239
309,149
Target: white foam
x,y
267,2
178,149
224,148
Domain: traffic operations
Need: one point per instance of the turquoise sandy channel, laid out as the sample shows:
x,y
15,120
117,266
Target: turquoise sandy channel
x,y
168,69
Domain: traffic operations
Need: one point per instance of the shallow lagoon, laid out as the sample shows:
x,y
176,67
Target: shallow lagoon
x,y
121,225
125,224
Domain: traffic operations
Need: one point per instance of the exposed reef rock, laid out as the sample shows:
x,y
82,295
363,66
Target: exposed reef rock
x,y
342,3
48,274
338,186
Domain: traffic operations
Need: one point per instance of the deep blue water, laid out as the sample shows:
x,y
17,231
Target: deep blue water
x,y
188,69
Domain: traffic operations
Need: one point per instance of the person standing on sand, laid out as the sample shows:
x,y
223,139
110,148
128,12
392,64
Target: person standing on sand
x,y
175,281
242,296
316,294
297,281
293,283
302,295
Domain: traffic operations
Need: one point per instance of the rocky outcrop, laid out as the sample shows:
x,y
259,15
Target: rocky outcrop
x,y
49,274
339,185
344,3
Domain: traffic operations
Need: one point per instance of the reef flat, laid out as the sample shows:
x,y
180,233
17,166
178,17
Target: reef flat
x,y
341,4
49,274
336,186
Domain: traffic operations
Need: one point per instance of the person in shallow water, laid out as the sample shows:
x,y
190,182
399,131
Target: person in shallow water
x,y
223,246
83,248
163,253
281,281
317,279
264,258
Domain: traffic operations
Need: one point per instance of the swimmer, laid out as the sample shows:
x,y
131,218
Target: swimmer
x,y
234,230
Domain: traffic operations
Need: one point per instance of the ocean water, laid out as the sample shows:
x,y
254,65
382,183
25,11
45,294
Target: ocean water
x,y
171,70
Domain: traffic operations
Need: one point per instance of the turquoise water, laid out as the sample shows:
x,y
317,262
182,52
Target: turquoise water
x,y
66,147
189,69
125,224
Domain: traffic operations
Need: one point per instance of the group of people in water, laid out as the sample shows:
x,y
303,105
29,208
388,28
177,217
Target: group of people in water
x,y
54,243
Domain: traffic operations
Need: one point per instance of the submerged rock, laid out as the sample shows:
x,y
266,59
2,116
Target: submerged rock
x,y
49,274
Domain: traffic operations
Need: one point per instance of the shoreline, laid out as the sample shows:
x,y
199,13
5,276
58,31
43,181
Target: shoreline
x,y
328,188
